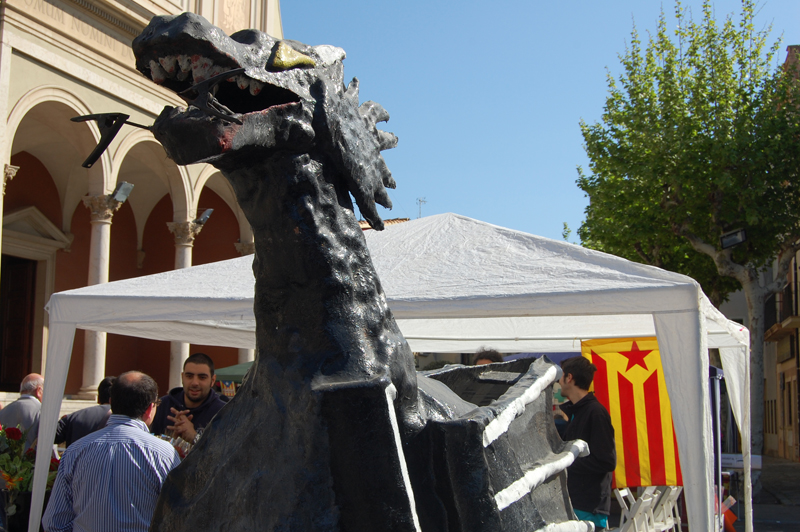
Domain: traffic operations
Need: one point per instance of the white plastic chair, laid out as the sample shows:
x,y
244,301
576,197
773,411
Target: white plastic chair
x,y
664,513
635,512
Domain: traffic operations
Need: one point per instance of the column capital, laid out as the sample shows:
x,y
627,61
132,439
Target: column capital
x,y
245,248
185,232
102,207
8,174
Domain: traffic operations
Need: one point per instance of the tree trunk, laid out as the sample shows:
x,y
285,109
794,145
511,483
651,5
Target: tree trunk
x,y
756,295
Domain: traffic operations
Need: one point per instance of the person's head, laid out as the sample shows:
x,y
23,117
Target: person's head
x,y
198,378
104,390
579,372
32,384
134,394
486,356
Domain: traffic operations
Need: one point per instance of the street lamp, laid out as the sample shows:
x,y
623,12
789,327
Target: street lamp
x,y
203,218
732,238
122,192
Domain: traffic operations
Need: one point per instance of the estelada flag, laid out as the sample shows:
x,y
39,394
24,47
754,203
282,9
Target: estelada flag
x,y
629,382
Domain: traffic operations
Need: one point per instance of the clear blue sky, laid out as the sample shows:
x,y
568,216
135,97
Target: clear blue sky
x,y
486,97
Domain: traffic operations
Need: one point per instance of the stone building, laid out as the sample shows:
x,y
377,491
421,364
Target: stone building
x,y
782,351
61,228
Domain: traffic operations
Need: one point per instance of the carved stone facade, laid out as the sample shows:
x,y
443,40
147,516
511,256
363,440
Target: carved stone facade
x,y
101,207
245,248
185,232
65,58
8,175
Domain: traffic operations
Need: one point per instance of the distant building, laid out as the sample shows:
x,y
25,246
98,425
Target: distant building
x,y
64,58
782,354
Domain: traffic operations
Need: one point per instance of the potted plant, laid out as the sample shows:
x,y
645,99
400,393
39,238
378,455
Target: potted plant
x,y
16,469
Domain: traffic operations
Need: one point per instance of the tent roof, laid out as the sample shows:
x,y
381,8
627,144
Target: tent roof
x,y
453,284
446,268
441,266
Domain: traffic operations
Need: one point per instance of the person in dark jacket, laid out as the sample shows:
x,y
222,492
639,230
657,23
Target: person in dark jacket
x,y
588,478
186,411
76,425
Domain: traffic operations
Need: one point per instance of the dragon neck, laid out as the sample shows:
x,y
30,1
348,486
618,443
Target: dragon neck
x,y
316,288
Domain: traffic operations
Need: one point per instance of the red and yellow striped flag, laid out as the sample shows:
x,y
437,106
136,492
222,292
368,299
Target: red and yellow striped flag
x,y
630,383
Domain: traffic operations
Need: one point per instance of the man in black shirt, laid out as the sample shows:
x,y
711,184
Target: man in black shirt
x,y
186,411
76,425
588,478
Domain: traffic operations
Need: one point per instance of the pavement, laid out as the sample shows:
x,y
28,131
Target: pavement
x,y
776,507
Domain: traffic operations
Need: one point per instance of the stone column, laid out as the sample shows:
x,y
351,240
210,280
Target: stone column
x,y
246,248
185,233
8,174
94,350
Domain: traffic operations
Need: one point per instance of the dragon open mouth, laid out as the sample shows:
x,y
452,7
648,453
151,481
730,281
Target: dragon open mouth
x,y
240,94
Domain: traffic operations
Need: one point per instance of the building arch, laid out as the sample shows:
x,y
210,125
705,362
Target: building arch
x,y
140,159
214,179
55,106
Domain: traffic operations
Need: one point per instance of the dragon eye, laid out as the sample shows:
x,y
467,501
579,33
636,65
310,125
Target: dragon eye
x,y
286,57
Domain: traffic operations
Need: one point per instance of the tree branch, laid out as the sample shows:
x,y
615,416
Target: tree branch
x,y
722,258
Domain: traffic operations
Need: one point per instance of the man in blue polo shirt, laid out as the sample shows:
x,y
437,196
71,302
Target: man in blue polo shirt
x,y
111,479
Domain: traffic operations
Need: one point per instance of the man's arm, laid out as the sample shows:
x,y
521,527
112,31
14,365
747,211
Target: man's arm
x,y
182,425
62,429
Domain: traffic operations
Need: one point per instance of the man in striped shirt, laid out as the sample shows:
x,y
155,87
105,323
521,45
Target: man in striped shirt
x,y
111,479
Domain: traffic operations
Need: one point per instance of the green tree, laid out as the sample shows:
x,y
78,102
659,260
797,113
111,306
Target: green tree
x,y
699,137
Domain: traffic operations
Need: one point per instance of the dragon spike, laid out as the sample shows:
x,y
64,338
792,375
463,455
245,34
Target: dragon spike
x,y
352,91
386,140
109,125
374,112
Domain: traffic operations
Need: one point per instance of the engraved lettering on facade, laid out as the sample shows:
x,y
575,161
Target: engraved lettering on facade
x,y
81,29
47,9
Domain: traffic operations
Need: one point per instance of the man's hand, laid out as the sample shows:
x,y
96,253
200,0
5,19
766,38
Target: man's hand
x,y
182,424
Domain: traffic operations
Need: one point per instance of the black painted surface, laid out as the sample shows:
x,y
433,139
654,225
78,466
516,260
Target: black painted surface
x,y
310,442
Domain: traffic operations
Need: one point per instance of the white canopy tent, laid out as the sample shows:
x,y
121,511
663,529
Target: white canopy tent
x,y
454,284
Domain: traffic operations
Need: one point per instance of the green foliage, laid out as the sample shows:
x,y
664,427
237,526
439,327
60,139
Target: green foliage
x,y
699,136
17,464
566,232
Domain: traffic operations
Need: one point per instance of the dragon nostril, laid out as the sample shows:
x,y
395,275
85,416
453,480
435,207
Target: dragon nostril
x,y
285,57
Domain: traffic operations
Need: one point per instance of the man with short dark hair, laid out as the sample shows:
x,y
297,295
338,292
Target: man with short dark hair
x,y
76,425
588,478
24,412
186,411
486,356
111,479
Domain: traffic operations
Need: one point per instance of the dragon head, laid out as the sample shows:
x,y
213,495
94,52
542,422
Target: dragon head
x,y
253,94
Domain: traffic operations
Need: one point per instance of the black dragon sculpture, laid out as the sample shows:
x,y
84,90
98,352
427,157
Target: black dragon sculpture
x,y
333,429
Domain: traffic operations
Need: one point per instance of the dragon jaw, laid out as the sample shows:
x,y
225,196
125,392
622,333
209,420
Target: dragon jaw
x,y
286,98
273,92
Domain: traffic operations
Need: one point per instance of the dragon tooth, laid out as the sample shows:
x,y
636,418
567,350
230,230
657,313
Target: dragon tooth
x,y
215,70
200,67
185,62
168,63
181,75
156,72
256,86
242,82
